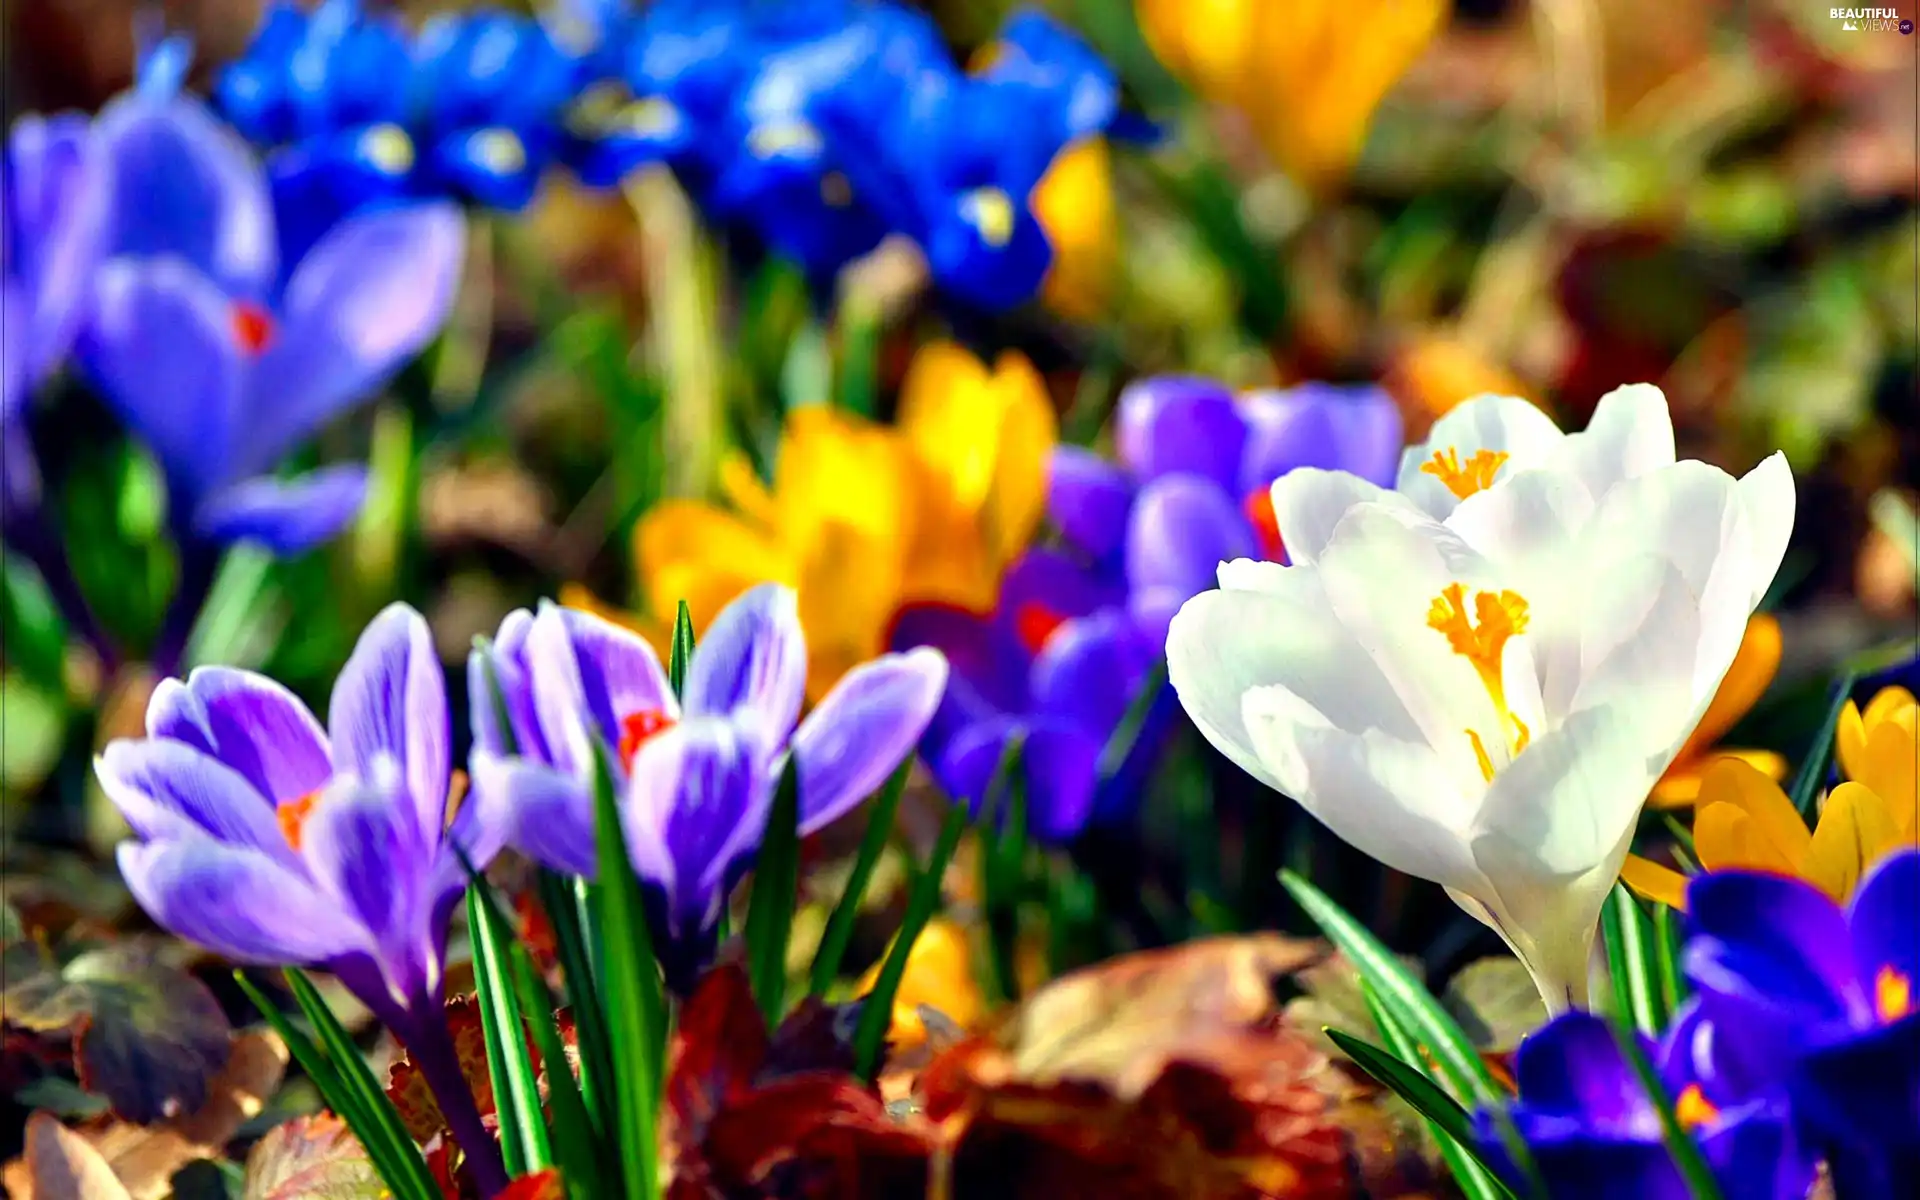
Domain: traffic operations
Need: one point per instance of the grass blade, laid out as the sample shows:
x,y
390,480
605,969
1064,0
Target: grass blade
x,y
1003,858
1427,1024
343,1100
1686,1154
558,900
516,1090
382,1122
873,843
631,992
1813,769
876,1010
1452,1131
776,883
682,650
1630,957
1666,959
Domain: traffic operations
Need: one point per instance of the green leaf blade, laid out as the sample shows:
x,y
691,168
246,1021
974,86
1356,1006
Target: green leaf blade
x,y
876,1010
873,843
681,653
776,884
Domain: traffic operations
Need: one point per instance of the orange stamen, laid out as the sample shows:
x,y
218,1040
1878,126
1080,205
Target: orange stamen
x,y
1034,623
1694,1109
1464,479
1482,641
1892,995
1266,526
252,327
637,729
293,816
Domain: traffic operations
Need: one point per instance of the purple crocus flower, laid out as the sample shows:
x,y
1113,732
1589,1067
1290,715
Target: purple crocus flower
x,y
269,840
1592,1132
1191,488
54,189
1797,998
1057,666
696,775
220,361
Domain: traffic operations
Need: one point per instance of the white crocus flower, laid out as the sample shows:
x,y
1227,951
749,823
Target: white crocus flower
x,y
1485,696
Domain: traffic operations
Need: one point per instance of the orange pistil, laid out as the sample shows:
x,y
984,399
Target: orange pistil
x,y
1464,479
252,327
293,816
1892,995
1482,641
637,729
1266,526
1694,1109
1034,623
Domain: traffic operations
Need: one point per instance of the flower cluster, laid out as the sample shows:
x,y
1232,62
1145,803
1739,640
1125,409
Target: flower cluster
x,y
1478,677
1078,627
821,127
271,840
1801,1046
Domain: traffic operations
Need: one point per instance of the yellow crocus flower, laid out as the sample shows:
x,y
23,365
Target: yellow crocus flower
x,y
862,518
1074,204
940,976
1308,75
1745,822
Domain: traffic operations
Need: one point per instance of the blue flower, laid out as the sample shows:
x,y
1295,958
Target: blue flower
x,y
1591,1130
55,186
219,366
1817,1005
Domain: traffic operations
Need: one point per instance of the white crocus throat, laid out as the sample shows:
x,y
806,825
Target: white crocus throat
x,y
1485,702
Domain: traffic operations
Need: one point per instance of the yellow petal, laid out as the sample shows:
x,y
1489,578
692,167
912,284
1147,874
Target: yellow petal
x,y
1890,765
742,487
1074,204
1655,882
1029,430
1888,704
1752,670
1435,373
686,550
939,975
849,589
1207,43
1324,66
838,468
1746,820
1680,786
1850,741
1856,830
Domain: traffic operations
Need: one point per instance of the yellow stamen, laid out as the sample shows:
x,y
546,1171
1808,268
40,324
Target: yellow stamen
x,y
990,211
500,151
389,149
1482,641
1694,1109
1464,479
779,137
293,816
1892,995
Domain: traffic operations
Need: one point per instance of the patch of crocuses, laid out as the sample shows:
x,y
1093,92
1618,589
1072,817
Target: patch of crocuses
x,y
1801,1045
271,840
1081,624
695,774
818,127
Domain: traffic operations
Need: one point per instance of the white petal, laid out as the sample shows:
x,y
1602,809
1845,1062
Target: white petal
x,y
1503,424
1224,644
1375,792
1629,435
1767,492
1308,503
1251,575
1530,519
1382,573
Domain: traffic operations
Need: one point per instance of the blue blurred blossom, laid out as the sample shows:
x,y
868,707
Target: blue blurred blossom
x,y
221,357
817,126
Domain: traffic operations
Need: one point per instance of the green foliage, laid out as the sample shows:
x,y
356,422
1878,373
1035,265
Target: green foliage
x,y
776,884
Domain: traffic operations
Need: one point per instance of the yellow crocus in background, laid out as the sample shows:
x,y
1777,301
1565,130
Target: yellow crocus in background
x,y
940,976
1745,821
860,517
1074,204
1308,74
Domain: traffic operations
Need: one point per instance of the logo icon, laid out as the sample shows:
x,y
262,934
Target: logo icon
x,y
1906,27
